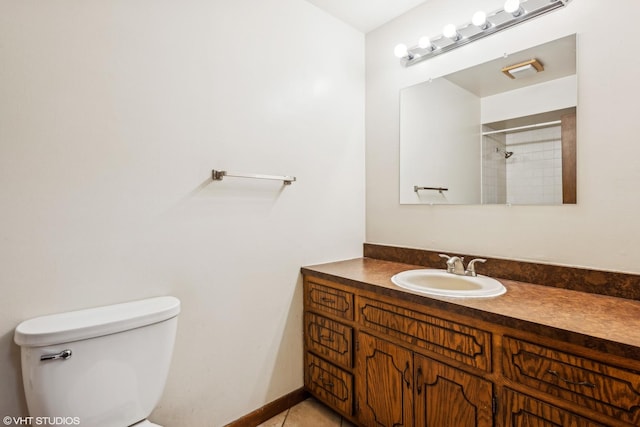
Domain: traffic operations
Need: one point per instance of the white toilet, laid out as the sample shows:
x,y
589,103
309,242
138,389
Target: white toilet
x,y
100,367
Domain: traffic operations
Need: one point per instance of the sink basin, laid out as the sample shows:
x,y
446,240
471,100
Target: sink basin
x,y
442,283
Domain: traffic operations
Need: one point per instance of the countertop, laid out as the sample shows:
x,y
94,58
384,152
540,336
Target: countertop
x,y
604,323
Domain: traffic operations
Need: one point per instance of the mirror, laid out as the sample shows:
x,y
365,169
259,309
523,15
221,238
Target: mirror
x,y
502,132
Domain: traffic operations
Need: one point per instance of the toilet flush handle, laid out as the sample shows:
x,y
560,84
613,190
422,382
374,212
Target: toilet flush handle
x,y
64,355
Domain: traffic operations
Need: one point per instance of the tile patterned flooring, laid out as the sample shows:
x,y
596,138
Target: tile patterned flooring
x,y
308,413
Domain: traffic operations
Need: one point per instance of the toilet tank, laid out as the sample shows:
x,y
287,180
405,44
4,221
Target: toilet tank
x,y
118,364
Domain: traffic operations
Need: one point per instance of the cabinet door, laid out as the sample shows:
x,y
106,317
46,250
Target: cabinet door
x,y
384,383
526,411
449,397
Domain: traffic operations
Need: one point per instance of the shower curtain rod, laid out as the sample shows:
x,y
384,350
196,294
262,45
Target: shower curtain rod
x,y
538,125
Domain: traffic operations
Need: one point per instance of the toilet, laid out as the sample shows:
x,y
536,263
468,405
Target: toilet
x,y
99,367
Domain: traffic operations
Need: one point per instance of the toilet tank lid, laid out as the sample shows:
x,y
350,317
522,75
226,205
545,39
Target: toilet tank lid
x,y
95,322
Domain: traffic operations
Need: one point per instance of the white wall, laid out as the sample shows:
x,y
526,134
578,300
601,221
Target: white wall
x,y
112,115
602,230
432,131
542,97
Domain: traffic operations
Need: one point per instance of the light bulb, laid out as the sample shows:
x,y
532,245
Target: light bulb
x,y
480,19
401,50
425,43
450,32
513,7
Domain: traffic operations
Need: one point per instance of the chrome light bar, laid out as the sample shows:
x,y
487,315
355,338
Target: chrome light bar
x,y
478,29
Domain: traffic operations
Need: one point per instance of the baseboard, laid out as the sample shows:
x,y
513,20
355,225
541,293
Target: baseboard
x,y
270,410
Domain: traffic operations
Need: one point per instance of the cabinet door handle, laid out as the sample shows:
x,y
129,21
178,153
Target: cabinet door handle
x,y
557,375
405,376
419,381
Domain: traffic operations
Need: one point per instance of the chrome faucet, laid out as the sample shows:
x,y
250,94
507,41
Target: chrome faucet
x,y
471,267
455,265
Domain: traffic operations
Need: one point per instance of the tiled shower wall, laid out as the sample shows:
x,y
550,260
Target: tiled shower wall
x,y
532,175
494,169
534,172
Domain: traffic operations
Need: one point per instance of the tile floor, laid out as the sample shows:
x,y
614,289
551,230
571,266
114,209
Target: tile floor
x,y
308,413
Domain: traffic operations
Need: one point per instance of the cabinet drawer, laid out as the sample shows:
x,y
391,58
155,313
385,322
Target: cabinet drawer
x,y
329,383
329,300
589,383
329,339
525,411
458,342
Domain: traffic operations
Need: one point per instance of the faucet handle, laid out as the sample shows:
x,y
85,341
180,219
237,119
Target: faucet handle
x,y
450,257
471,268
449,265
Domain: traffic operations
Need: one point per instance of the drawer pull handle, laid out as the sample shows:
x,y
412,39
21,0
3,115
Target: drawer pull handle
x,y
328,300
326,383
584,383
326,338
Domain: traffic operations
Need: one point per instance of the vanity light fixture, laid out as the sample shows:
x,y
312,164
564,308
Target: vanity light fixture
x,y
401,51
479,19
425,43
513,7
482,24
522,69
450,32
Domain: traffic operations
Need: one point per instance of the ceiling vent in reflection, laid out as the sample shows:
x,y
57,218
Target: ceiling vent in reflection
x,y
523,69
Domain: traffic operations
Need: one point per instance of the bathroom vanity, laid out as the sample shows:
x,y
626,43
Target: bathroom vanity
x,y
535,356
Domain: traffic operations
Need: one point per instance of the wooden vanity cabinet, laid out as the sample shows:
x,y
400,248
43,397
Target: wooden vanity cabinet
x,y
382,361
384,383
436,393
328,344
521,410
361,359
591,384
450,397
332,385
397,387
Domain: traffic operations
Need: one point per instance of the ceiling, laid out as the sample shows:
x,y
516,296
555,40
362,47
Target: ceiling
x,y
558,58
366,15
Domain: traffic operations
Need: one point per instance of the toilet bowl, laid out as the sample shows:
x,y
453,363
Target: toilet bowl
x,y
100,367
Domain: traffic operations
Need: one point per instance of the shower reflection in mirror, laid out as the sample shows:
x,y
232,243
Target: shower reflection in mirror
x,y
501,132
523,164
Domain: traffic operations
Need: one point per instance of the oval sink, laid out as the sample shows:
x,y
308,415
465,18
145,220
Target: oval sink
x,y
442,283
